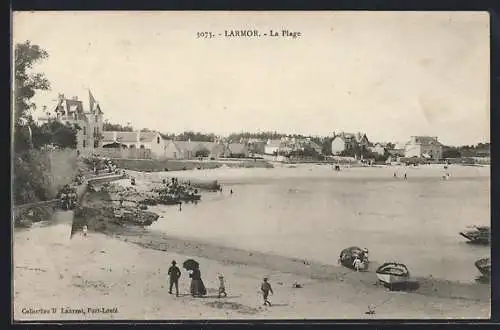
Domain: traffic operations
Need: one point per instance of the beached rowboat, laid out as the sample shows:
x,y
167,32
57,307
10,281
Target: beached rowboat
x,y
391,273
484,266
348,255
477,234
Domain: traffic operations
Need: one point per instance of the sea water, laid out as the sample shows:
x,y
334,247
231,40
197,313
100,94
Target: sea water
x,y
314,214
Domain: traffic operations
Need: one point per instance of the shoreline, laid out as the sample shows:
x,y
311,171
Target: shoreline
x,y
428,286
124,268
93,272
155,240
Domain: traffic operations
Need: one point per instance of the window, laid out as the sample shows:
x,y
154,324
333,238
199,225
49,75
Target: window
x,y
158,140
84,130
84,144
132,146
142,146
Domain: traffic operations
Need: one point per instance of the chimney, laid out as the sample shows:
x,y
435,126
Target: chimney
x,y
138,134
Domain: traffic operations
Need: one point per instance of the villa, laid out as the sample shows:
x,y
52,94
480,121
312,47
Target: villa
x,y
424,147
347,141
90,120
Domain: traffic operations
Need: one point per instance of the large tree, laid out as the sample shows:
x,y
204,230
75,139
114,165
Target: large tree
x,y
27,82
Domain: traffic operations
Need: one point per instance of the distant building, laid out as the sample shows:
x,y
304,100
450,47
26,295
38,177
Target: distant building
x,y
378,149
236,150
140,140
346,141
256,146
272,146
425,147
196,149
90,120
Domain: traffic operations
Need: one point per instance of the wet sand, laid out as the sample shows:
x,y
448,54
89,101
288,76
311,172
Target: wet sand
x,y
130,282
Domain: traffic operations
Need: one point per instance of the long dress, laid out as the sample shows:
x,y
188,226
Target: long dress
x,y
197,286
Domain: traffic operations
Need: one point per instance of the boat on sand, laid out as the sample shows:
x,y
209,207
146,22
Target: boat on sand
x,y
350,254
484,266
477,234
393,273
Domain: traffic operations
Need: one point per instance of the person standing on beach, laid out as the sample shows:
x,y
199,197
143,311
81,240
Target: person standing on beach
x,y
222,286
405,176
174,273
266,288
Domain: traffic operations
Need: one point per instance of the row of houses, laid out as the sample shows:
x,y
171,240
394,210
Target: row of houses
x,y
418,146
171,149
91,136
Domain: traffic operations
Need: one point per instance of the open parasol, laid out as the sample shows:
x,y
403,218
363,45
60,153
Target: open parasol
x,y
190,264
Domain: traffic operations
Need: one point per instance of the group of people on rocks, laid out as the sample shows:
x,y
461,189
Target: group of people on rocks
x,y
198,289
68,197
107,165
176,190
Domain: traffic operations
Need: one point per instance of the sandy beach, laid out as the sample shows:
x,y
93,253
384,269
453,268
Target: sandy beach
x,y
121,272
227,175
127,281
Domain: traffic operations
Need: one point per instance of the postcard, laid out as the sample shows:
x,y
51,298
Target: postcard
x,y
234,165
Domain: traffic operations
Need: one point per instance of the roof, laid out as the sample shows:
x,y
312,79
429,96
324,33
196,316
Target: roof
x,y
236,148
426,140
186,145
274,143
108,136
351,136
79,99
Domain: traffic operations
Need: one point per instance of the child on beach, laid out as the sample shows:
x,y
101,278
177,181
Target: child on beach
x,y
84,230
222,286
357,264
266,288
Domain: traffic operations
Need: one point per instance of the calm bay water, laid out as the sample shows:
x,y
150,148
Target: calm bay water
x,y
415,222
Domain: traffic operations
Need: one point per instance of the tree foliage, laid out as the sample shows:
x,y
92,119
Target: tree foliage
x,y
27,82
107,126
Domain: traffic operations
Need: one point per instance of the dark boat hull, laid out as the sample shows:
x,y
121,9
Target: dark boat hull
x,y
474,237
484,266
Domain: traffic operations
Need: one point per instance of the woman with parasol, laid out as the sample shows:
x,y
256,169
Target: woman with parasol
x,y
197,287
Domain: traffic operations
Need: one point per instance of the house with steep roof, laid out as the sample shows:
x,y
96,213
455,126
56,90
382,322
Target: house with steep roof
x,y
139,140
89,120
424,147
346,141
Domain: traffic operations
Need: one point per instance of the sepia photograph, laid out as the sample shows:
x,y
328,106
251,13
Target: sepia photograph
x,y
264,165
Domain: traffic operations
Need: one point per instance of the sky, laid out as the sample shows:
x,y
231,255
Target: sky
x,y
388,74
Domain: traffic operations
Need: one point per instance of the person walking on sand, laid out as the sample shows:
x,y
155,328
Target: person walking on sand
x,y
197,287
84,230
174,273
405,176
222,286
266,288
